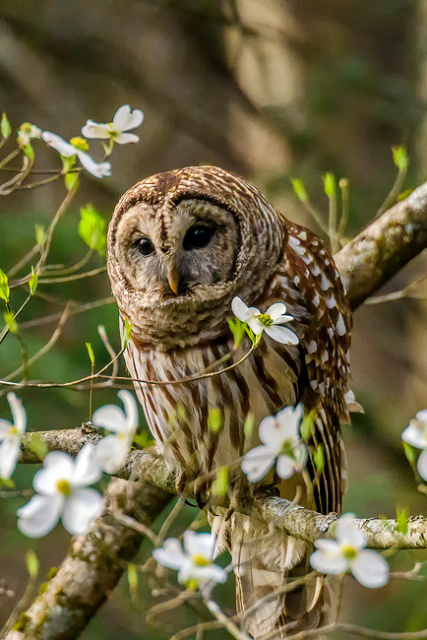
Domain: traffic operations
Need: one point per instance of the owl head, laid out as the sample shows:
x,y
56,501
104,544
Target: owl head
x,y
182,244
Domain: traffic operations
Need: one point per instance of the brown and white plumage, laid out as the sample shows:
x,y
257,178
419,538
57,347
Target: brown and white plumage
x,y
178,297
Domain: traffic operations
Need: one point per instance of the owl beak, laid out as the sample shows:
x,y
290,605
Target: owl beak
x,y
173,279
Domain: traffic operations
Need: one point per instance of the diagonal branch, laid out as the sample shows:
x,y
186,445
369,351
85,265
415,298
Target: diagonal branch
x,y
384,247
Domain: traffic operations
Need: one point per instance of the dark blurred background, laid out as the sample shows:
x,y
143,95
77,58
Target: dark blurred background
x,y
271,89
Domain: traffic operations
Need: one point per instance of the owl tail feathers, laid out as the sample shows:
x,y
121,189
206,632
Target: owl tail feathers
x,y
273,597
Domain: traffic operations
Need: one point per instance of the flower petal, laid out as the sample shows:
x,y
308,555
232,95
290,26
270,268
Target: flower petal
x,y
281,334
422,464
285,466
39,515
199,544
125,118
86,469
171,554
18,413
5,425
131,410
98,170
329,561
239,308
256,326
59,144
370,569
111,418
56,466
257,462
81,509
415,434
209,573
289,421
10,451
111,453
126,138
94,130
276,310
347,532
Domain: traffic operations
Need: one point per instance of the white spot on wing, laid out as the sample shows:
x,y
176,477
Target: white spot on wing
x,y
340,325
312,347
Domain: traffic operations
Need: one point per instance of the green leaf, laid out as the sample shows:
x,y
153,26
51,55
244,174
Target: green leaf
x,y
400,157
307,425
128,331
220,484
71,180
9,318
33,281
329,184
215,420
143,440
405,194
92,229
32,563
237,328
7,482
40,235
319,458
300,190
38,445
28,150
4,287
91,353
410,453
5,127
402,517
249,425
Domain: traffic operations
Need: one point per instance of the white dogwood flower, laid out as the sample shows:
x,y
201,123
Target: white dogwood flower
x,y
11,434
123,120
281,444
192,560
111,451
27,132
99,170
63,491
348,553
269,321
416,435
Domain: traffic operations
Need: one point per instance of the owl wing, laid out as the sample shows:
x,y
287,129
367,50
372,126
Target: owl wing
x,y
315,293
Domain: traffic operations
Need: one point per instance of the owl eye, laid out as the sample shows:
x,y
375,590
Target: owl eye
x,y
145,246
198,237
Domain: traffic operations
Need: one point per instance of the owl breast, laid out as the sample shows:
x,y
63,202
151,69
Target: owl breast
x,y
179,415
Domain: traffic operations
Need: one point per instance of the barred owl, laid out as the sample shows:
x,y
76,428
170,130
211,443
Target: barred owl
x,y
181,245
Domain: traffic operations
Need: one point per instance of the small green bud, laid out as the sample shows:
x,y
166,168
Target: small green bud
x,y
402,518
220,484
9,318
400,157
300,190
40,235
91,353
215,420
319,459
33,281
329,184
4,287
32,563
5,127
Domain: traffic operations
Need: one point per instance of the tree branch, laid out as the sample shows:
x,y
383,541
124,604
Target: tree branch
x,y
149,468
93,567
384,247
